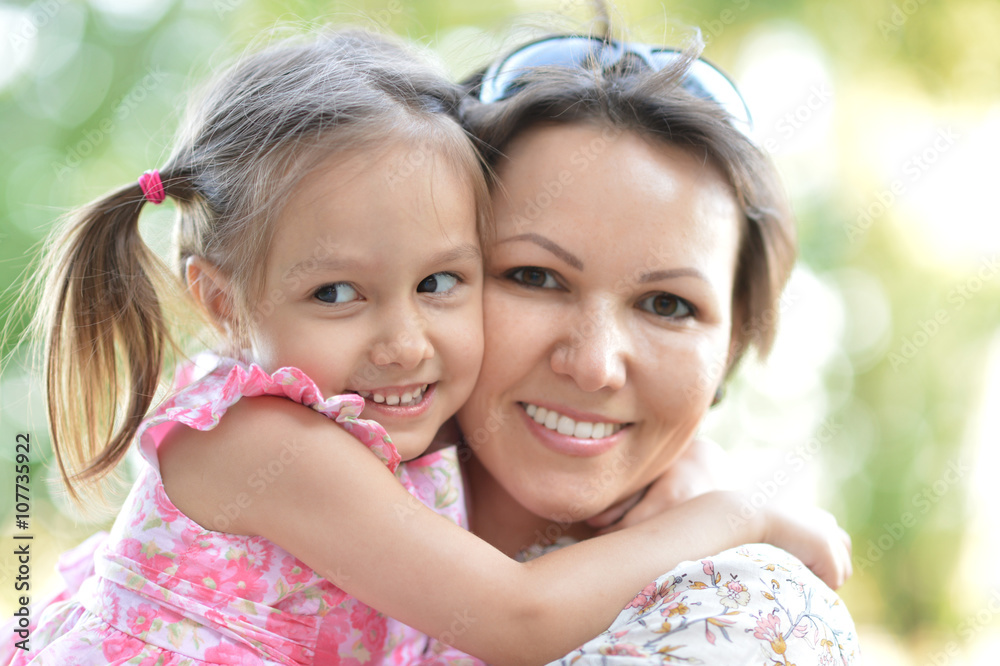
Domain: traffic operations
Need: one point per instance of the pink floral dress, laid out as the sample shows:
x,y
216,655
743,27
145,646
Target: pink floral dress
x,y
166,591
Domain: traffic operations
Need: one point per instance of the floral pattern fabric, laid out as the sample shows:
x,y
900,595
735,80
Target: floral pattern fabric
x,y
751,605
165,591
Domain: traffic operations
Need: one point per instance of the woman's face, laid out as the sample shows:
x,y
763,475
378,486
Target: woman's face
x,y
608,315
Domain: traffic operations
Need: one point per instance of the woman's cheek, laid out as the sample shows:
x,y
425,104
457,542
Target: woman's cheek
x,y
500,310
513,328
683,374
465,337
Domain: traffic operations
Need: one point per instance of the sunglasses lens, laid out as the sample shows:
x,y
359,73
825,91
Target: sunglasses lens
x,y
705,81
501,79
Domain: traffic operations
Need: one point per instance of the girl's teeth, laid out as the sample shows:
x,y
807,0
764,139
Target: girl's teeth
x,y
564,425
409,398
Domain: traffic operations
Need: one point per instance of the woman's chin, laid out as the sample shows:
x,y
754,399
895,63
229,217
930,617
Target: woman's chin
x,y
565,504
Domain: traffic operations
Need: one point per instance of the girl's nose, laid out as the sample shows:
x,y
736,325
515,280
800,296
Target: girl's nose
x,y
403,341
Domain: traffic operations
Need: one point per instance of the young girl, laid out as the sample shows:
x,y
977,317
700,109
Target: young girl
x,y
330,219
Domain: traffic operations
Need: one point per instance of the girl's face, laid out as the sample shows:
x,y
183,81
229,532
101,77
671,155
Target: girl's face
x,y
373,286
608,315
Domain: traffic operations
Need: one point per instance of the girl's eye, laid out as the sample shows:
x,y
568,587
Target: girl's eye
x,y
531,276
438,283
667,305
341,292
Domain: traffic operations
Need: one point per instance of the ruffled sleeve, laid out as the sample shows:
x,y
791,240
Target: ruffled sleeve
x,y
202,403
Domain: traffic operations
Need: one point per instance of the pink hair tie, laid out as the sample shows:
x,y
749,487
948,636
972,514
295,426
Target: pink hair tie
x,y
152,186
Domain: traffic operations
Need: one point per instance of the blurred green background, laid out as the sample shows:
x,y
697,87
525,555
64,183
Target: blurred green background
x,y
882,399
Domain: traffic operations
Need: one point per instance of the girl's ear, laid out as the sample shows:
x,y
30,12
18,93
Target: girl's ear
x,y
210,289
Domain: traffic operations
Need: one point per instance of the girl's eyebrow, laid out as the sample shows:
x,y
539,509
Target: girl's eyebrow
x,y
458,253
314,265
463,251
549,245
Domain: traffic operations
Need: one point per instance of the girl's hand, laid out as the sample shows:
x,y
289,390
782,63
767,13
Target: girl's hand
x,y
703,467
814,537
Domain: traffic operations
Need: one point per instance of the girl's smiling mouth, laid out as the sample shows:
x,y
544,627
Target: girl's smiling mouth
x,y
405,396
398,401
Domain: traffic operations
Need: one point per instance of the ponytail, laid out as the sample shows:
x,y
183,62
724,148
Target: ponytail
x,y
104,335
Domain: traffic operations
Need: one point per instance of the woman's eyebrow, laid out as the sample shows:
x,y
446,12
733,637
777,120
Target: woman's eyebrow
x,y
549,245
654,276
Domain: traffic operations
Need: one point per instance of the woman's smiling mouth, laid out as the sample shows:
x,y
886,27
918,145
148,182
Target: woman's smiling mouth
x,y
566,435
566,425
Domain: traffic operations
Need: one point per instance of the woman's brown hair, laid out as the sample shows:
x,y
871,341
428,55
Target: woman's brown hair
x,y
259,128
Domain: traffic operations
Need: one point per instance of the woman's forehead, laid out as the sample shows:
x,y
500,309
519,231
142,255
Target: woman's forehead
x,y
587,170
596,192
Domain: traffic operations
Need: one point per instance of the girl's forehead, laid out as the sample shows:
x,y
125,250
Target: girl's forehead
x,y
374,209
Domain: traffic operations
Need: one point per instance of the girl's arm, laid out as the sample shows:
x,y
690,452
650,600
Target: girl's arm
x,y
336,507
705,467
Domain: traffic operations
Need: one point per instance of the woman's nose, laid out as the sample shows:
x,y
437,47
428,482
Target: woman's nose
x,y
593,352
402,340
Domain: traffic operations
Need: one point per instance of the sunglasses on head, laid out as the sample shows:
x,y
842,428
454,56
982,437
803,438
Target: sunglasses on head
x,y
503,79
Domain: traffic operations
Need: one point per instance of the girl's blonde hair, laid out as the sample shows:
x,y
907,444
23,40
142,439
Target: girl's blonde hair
x,y
260,127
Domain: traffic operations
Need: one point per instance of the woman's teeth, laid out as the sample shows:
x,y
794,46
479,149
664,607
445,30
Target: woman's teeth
x,y
564,425
407,399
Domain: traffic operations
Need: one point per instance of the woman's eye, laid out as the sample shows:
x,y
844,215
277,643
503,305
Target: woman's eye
x,y
438,283
530,276
341,292
667,305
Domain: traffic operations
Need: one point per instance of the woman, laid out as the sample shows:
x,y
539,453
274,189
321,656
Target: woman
x,y
642,243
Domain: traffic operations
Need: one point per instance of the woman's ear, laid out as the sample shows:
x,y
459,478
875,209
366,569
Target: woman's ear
x,y
210,289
